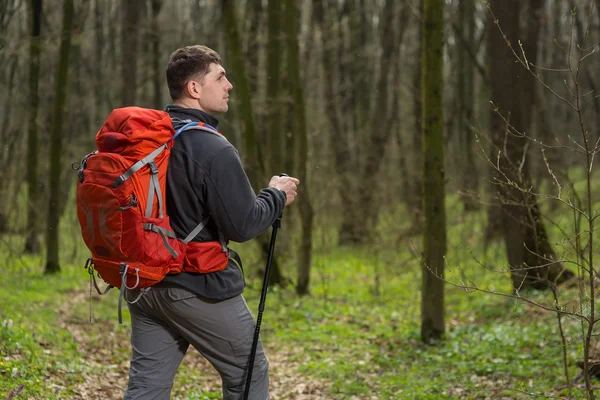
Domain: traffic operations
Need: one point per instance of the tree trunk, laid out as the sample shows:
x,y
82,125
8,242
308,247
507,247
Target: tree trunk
x,y
145,85
252,158
434,235
252,46
414,198
157,72
99,90
252,162
7,11
32,244
274,162
351,131
466,93
527,246
78,116
251,36
129,45
301,138
78,127
56,146
113,92
360,68
9,139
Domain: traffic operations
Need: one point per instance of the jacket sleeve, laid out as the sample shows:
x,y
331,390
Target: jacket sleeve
x,y
239,213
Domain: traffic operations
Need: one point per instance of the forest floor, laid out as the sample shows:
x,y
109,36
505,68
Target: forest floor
x,y
356,336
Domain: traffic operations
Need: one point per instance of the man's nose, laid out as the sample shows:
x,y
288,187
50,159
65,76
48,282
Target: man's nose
x,y
229,86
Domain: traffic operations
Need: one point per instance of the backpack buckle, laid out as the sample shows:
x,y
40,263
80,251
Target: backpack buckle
x,y
153,168
118,181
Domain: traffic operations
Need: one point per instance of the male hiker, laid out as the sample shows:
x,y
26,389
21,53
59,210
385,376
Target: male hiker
x,y
205,181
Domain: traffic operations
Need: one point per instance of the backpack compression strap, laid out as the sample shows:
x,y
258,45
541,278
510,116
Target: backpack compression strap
x,y
138,165
154,188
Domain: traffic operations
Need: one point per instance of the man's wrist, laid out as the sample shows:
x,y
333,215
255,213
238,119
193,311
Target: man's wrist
x,y
284,194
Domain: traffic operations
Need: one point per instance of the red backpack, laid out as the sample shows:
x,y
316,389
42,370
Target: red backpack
x,y
122,209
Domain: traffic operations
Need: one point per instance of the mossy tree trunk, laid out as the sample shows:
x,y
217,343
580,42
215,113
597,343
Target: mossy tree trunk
x,y
157,69
56,144
434,234
254,17
9,136
414,198
100,55
300,134
252,162
32,243
113,92
129,50
275,159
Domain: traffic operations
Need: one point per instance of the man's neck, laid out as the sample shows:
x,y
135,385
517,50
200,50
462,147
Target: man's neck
x,y
188,103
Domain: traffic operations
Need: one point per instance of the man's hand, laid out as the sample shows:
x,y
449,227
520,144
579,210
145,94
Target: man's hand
x,y
287,184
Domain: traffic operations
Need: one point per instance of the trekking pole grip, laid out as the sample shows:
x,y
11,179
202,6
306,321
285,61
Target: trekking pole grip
x,y
277,223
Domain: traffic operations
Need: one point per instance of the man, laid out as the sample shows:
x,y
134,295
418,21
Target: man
x,y
205,181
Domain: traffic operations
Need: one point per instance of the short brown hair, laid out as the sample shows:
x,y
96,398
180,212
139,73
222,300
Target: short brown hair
x,y
187,63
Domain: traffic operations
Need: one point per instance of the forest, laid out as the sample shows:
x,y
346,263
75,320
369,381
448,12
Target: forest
x,y
442,243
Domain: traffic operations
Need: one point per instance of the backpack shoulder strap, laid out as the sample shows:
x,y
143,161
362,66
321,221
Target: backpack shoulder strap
x,y
199,126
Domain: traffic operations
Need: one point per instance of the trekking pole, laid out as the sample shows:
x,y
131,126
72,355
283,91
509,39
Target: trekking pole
x,y
261,305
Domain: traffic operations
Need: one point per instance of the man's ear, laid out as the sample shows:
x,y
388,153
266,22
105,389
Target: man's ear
x,y
193,89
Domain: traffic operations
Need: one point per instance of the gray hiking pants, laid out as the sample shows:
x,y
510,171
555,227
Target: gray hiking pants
x,y
165,321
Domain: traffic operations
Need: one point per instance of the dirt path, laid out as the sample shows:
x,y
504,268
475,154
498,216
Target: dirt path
x,y
106,353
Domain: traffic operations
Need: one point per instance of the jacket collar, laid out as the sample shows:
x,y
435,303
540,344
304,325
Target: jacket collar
x,y
191,115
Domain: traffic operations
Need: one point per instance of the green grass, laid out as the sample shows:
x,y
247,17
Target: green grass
x,y
33,348
357,334
368,345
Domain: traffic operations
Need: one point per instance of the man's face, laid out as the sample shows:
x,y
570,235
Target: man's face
x,y
213,90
